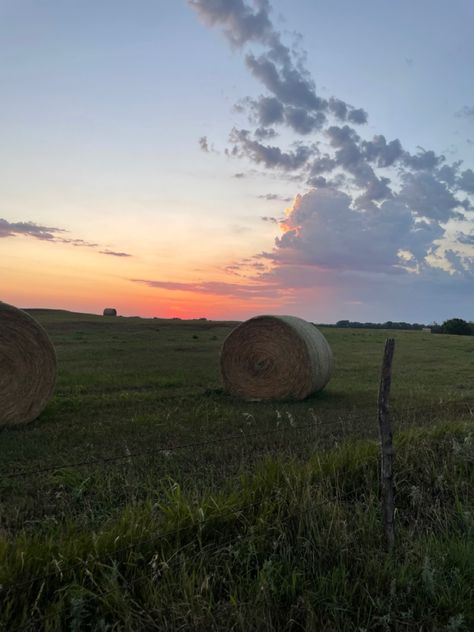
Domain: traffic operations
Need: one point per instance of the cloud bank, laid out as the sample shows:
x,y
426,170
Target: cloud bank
x,y
370,206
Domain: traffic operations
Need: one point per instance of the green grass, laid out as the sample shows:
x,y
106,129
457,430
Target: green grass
x,y
276,529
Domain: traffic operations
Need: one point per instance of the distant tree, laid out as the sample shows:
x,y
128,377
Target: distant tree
x,y
456,326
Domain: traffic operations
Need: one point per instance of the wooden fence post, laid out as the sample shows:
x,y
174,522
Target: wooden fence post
x,y
388,505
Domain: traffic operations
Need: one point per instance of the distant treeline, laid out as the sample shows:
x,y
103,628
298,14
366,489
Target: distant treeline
x,y
354,324
456,326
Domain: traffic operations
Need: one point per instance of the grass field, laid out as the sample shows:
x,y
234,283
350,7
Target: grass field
x,y
144,498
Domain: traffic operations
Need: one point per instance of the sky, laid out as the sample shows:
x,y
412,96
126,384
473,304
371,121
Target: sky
x,y
227,158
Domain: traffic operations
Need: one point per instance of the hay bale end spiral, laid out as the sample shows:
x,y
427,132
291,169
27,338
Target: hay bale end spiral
x,y
27,367
275,357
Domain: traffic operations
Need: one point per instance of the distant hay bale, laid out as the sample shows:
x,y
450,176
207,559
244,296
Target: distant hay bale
x,y
275,357
27,367
110,311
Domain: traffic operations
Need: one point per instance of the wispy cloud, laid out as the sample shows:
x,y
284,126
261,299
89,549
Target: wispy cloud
x,y
467,111
203,144
274,197
113,253
51,234
13,229
218,288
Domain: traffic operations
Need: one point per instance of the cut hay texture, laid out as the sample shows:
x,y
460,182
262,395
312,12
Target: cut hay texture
x,y
110,311
275,357
27,367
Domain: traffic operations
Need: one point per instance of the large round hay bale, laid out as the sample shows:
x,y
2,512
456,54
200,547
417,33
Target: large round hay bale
x,y
110,311
27,367
275,357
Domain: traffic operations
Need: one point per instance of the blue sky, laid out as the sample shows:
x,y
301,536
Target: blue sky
x,y
115,122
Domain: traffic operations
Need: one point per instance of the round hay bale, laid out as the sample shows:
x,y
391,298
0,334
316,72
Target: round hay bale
x,y
27,367
110,311
275,357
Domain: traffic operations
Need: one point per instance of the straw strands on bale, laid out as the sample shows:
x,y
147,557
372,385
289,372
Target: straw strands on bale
x,y
275,357
27,367
110,311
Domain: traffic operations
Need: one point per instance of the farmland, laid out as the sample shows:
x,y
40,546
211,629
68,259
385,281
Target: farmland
x,y
146,498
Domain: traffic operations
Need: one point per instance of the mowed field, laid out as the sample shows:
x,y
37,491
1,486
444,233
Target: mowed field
x,y
146,498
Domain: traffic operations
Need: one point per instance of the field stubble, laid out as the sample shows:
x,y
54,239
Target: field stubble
x,y
131,392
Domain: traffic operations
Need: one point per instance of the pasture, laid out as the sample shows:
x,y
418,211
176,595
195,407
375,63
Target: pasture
x,y
145,498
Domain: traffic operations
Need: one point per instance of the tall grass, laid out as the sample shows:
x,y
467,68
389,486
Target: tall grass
x,y
293,546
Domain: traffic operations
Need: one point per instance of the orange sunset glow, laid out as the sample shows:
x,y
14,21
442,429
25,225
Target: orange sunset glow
x,y
241,176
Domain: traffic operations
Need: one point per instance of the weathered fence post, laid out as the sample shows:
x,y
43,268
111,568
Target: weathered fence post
x,y
388,505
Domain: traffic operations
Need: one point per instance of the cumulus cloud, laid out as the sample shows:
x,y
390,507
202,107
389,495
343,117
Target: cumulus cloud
x,y
466,181
375,207
425,160
448,173
270,156
286,82
322,229
278,68
382,153
427,196
301,122
338,108
292,101
265,133
358,116
240,22
322,164
267,111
